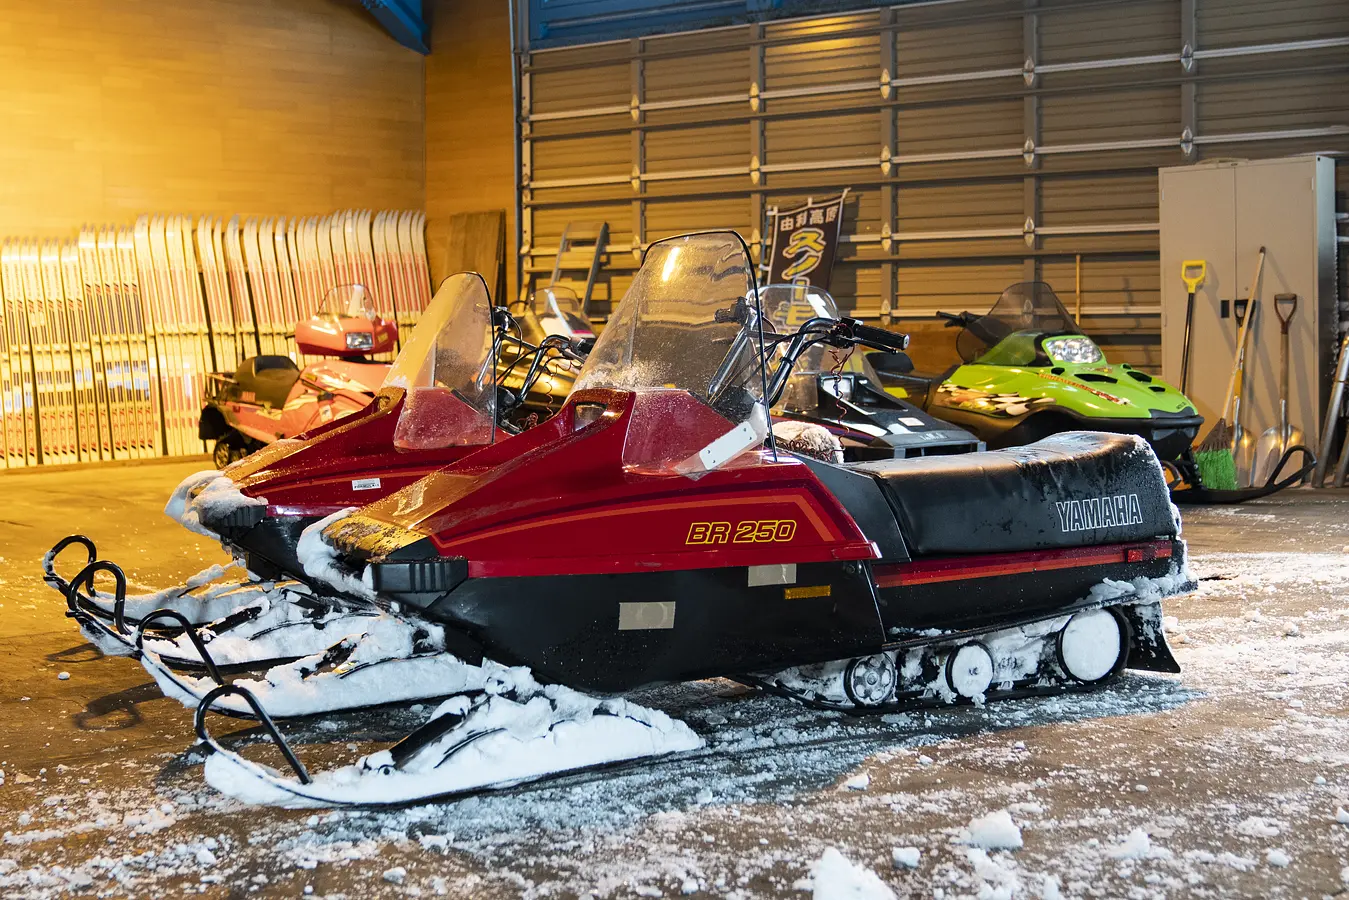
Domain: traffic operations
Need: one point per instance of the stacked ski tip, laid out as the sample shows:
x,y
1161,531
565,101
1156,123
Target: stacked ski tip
x,y
106,340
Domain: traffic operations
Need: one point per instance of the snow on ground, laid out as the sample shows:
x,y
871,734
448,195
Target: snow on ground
x,y
1230,780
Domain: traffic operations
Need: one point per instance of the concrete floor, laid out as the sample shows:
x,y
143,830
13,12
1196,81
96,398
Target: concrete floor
x,y
1222,782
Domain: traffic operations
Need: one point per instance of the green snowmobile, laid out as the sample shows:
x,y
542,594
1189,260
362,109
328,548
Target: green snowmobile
x,y
1030,372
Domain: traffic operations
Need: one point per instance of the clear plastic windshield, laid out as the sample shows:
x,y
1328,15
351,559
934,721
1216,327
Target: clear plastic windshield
x,y
1024,312
685,326
559,312
349,301
788,307
448,368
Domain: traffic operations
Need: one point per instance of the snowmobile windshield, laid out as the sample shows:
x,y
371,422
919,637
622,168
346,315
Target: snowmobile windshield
x,y
559,313
448,369
788,307
686,327
1008,335
349,301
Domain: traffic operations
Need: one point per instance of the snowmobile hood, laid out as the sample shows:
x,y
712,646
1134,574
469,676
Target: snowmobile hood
x,y
1095,390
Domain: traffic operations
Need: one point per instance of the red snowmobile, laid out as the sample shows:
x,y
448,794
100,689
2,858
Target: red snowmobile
x,y
667,538
443,399
268,398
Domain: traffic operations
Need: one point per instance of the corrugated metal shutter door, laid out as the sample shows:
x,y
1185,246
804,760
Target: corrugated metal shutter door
x,y
983,142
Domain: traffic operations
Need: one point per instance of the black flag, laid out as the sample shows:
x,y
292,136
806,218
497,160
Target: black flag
x,y
805,241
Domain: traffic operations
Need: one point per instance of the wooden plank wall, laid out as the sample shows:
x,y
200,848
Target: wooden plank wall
x,y
293,107
469,111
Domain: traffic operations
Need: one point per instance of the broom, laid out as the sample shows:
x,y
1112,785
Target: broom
x,y
1217,467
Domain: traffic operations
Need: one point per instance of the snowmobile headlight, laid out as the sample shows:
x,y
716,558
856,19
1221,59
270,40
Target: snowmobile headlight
x,y
360,340
1073,349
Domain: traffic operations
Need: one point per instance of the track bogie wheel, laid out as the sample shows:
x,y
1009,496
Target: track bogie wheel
x,y
969,670
1093,646
870,680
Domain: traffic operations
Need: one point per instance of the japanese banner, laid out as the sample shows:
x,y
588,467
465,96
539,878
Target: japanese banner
x,y
805,240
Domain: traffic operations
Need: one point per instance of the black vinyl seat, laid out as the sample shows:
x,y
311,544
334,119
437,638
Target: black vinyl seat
x,y
1073,489
266,380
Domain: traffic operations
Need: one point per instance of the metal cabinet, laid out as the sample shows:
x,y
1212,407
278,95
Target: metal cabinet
x,y
1223,212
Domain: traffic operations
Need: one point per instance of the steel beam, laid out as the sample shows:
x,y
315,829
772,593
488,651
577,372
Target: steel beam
x,y
402,19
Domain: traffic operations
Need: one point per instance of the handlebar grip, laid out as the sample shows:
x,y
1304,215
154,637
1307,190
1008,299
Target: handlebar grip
x,y
878,338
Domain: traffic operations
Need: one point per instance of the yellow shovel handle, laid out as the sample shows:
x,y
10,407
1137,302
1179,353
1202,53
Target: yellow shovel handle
x,y
1192,272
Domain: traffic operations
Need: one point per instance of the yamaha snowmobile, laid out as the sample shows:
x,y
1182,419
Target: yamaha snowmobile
x,y
670,539
841,391
268,398
442,400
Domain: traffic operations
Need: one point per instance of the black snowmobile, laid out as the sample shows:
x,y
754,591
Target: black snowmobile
x,y
841,391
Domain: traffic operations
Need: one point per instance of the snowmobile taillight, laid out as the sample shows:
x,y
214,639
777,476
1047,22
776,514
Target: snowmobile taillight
x,y
1133,555
360,340
583,415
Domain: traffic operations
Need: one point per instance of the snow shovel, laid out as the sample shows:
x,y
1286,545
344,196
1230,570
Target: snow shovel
x,y
1217,455
1192,272
1277,438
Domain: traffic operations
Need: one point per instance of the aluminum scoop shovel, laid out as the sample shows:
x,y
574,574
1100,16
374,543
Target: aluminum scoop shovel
x,y
1269,449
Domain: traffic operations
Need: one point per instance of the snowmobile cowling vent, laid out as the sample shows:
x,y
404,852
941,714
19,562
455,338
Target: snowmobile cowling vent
x,y
419,582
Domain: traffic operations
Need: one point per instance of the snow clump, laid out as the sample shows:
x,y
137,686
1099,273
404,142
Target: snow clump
x,y
906,857
995,831
834,877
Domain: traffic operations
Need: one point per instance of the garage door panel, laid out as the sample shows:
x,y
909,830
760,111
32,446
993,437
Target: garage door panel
x,y
684,149
1100,31
1234,22
966,127
581,158
668,218
1078,119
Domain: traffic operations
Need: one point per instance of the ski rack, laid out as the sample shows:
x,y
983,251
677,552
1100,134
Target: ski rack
x,y
1199,495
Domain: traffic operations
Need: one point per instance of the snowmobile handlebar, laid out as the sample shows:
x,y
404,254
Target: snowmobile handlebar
x,y
842,333
876,338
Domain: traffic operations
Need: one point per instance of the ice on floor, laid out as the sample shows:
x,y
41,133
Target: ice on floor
x,y
858,782
906,857
994,831
1255,826
1137,845
835,877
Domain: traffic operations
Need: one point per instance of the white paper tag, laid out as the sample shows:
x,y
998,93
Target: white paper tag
x,y
912,420
365,484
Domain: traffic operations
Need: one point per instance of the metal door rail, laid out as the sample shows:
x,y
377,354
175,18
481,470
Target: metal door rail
x,y
885,82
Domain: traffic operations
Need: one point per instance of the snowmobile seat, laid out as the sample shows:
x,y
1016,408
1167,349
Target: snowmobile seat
x,y
1073,489
266,380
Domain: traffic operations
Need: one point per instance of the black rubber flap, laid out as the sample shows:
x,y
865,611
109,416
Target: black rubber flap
x,y
1075,489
